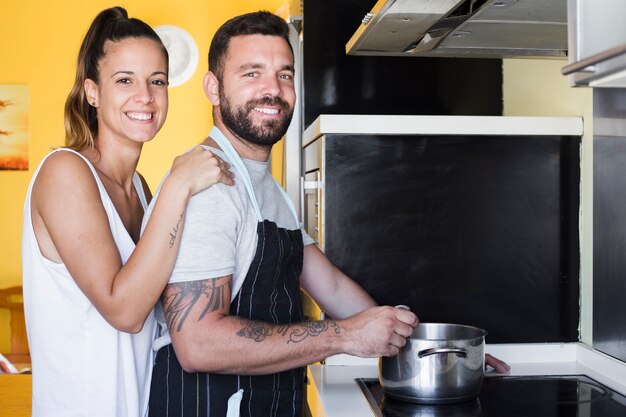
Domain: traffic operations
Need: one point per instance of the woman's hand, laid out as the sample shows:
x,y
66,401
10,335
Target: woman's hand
x,y
200,168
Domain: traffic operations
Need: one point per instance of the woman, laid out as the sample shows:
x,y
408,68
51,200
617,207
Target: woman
x,y
90,283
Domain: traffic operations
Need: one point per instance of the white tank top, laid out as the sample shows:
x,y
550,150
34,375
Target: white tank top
x,y
82,366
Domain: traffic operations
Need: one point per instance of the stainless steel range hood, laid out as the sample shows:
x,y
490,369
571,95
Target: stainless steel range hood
x,y
463,28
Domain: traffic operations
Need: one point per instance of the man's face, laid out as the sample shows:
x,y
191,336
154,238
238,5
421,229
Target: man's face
x,y
257,93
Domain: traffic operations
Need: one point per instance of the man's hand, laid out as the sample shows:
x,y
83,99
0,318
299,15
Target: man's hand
x,y
378,331
498,365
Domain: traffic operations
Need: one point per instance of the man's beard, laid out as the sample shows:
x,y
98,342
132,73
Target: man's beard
x,y
238,120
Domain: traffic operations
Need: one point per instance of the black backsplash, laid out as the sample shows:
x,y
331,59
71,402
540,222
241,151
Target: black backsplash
x,y
336,83
478,230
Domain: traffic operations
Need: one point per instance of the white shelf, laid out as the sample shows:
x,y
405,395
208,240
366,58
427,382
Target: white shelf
x,y
442,125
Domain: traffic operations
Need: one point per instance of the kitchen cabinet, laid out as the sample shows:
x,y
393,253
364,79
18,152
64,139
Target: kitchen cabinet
x,y
470,220
609,222
597,43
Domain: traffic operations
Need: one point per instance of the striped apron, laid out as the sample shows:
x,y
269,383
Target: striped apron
x,y
270,293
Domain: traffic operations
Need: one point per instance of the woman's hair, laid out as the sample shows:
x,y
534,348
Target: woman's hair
x,y
110,25
256,23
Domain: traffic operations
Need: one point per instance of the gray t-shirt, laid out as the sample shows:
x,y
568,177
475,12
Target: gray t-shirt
x,y
219,236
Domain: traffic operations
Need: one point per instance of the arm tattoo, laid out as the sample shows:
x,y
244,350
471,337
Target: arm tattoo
x,y
296,333
174,231
254,330
179,300
299,332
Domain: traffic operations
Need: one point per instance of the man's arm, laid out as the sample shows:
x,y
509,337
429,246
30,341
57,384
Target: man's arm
x,y
207,339
337,294
340,296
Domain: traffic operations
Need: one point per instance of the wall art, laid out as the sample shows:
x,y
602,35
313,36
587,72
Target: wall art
x,y
14,132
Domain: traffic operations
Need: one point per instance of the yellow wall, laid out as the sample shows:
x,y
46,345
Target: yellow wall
x,y
39,42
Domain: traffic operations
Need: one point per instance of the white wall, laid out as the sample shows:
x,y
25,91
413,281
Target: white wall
x,y
537,88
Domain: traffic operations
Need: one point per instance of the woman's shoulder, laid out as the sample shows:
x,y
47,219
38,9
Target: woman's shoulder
x,y
64,167
65,158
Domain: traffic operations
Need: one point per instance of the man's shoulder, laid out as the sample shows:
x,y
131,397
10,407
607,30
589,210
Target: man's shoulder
x,y
219,193
217,199
220,203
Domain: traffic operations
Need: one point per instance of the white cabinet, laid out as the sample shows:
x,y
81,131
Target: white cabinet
x,y
597,43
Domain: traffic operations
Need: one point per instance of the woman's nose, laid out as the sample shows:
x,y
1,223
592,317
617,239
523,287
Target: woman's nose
x,y
144,95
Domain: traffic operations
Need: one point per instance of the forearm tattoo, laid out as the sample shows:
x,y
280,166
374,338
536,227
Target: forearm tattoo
x,y
255,330
295,333
298,332
174,231
181,298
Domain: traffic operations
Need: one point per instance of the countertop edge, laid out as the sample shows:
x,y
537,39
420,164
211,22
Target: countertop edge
x,y
441,125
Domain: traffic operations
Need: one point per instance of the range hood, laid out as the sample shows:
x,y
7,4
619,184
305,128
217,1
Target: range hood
x,y
463,28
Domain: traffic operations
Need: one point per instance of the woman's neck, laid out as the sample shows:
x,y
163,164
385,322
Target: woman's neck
x,y
117,164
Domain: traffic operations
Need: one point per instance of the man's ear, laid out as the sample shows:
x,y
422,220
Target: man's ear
x,y
91,92
212,88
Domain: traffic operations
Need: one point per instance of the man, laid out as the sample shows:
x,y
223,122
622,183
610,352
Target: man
x,y
236,340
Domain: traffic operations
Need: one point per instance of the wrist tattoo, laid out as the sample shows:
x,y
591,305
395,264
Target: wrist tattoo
x,y
174,231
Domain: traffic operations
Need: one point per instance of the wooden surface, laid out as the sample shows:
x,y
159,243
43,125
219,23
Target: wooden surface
x,y
11,299
15,395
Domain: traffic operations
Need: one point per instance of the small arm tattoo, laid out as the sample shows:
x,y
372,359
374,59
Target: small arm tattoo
x,y
255,330
179,300
296,333
174,232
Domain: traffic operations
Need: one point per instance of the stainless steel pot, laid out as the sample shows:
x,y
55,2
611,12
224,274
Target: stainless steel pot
x,y
440,364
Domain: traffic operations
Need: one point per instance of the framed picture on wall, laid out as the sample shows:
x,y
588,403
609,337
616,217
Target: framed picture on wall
x,y
14,102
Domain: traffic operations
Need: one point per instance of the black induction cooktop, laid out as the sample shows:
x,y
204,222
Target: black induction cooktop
x,y
511,396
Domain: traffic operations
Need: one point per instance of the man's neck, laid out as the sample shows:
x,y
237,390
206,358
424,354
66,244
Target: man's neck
x,y
244,148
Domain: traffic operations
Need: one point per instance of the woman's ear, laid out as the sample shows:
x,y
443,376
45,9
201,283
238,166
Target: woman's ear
x,y
91,92
212,88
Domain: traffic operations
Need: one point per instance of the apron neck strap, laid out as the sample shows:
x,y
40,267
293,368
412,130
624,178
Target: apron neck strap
x,y
234,158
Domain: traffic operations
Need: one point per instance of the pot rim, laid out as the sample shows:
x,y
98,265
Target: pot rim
x,y
472,328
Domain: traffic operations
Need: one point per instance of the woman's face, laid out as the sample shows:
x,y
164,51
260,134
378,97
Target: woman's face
x,y
131,96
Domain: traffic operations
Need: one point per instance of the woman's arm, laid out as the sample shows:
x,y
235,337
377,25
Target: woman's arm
x,y
72,227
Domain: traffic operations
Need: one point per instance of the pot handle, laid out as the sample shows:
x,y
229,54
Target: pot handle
x,y
462,353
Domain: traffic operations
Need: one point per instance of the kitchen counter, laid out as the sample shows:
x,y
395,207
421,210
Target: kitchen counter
x,y
332,391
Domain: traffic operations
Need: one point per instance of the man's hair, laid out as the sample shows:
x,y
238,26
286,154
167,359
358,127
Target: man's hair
x,y
256,23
